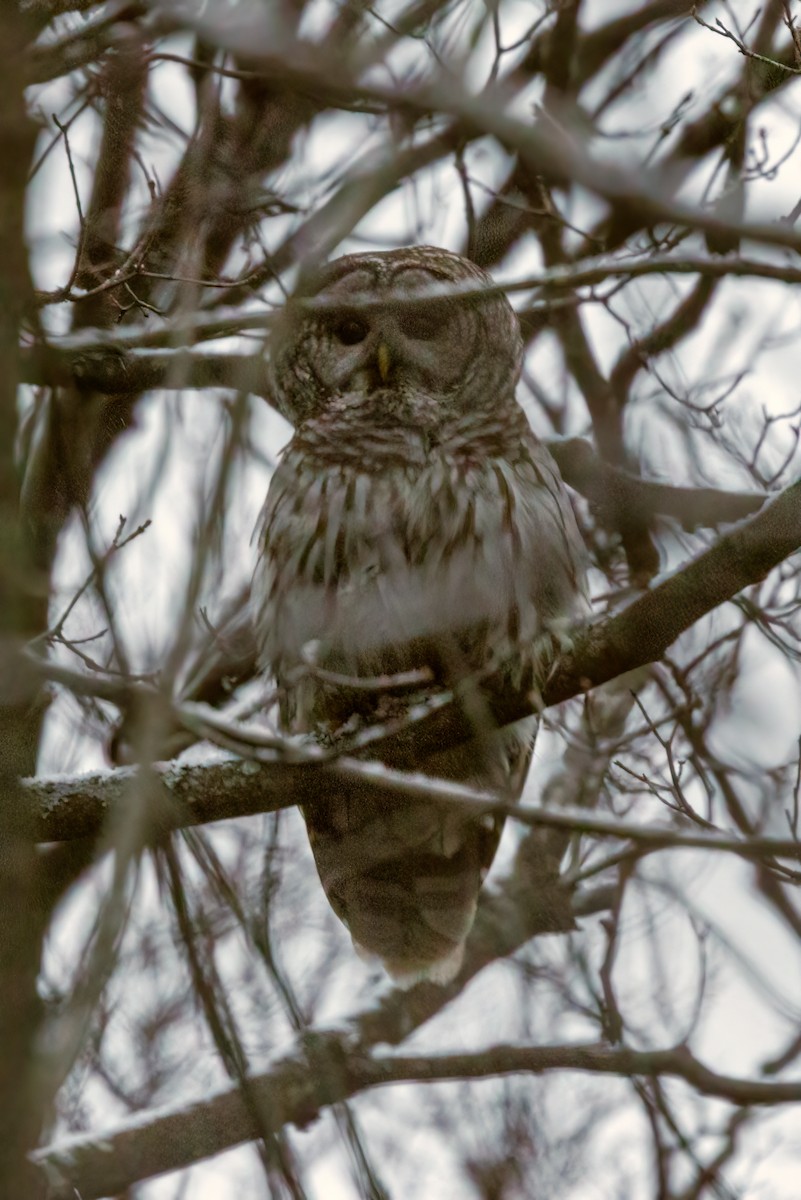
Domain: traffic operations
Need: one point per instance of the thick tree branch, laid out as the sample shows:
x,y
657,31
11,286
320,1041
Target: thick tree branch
x,y
645,629
23,610
328,1068
640,634
203,793
613,490
117,372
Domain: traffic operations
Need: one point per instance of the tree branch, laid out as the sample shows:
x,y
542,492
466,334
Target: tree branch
x,y
613,490
117,371
203,793
640,634
330,1067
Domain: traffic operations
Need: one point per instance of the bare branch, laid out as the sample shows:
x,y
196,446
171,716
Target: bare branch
x,y
330,1067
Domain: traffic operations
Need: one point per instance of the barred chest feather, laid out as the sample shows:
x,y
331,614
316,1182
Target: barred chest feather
x,y
444,558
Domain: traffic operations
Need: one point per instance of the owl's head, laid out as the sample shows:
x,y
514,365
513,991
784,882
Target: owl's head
x,y
397,336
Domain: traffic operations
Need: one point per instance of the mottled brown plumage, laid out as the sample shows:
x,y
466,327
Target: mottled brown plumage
x,y
413,522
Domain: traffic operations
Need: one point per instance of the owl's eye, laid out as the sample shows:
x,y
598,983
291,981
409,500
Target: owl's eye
x,y
350,330
424,322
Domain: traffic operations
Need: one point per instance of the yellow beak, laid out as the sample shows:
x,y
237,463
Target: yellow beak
x,y
384,360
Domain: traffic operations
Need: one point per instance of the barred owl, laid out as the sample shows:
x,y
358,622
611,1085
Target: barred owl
x,y
414,524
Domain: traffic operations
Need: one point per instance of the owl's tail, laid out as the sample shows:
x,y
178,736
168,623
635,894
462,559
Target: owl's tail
x,y
404,876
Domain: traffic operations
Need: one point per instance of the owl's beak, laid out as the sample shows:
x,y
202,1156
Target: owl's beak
x,y
384,360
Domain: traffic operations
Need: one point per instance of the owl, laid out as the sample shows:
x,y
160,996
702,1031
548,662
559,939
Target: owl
x,y
415,537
